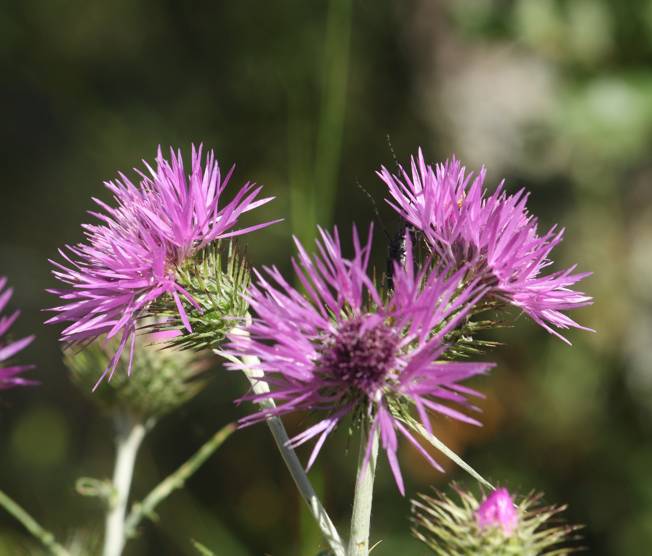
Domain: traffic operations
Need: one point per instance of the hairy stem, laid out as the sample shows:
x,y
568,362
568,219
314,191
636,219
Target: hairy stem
x,y
364,487
44,536
175,480
129,436
255,375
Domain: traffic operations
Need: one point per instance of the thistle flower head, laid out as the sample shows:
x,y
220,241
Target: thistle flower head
x,y
131,257
495,526
9,373
347,349
493,233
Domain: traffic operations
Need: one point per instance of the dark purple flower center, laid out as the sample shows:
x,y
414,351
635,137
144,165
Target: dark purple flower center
x,y
359,354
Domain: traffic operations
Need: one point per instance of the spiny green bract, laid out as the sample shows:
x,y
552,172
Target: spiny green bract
x,y
162,378
216,278
450,528
466,340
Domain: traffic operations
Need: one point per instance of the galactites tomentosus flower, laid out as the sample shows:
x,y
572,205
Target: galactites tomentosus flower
x,y
9,373
493,234
498,525
347,349
131,258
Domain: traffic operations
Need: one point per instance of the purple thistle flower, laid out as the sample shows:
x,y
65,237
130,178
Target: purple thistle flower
x,y
498,510
9,375
491,233
129,259
342,349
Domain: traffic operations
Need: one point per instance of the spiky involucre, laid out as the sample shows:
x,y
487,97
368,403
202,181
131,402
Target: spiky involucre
x,y
493,233
132,256
450,527
217,278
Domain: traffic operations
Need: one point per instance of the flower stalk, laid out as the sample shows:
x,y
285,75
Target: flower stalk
x,y
129,436
175,480
362,501
253,372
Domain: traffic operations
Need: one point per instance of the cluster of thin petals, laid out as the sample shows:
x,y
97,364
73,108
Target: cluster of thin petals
x,y
492,233
344,347
130,257
10,374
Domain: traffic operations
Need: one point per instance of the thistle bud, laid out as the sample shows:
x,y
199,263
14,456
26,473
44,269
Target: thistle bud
x,y
162,377
497,525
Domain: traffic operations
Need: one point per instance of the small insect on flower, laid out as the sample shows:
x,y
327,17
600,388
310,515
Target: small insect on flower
x,y
130,258
491,233
345,348
9,375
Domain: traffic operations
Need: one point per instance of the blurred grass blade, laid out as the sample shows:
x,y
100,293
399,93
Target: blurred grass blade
x,y
201,549
333,107
313,190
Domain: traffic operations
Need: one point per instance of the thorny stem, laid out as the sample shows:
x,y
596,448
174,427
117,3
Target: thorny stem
x,y
129,436
253,372
44,536
175,480
362,501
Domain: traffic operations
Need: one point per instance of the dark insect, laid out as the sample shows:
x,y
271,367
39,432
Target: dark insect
x,y
395,242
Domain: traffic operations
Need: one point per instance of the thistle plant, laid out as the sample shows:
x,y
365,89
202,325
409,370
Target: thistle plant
x,y
492,234
131,258
158,286
157,236
497,525
349,350
162,379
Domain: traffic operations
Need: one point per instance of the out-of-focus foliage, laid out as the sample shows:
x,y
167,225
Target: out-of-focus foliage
x,y
553,95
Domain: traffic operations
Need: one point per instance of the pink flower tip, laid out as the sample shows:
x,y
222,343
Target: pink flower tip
x,y
498,510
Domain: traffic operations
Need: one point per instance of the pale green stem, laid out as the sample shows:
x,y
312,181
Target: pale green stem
x,y
255,376
175,480
362,501
43,535
129,436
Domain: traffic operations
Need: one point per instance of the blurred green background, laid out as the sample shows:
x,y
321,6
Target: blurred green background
x,y
552,95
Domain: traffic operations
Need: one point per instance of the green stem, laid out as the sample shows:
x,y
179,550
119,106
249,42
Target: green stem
x,y
175,480
255,376
129,436
362,501
43,535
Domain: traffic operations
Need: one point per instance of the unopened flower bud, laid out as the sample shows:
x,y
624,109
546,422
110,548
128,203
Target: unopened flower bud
x,y
499,525
498,510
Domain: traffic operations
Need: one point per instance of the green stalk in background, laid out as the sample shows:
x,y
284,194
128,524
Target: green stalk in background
x,y
42,535
313,194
